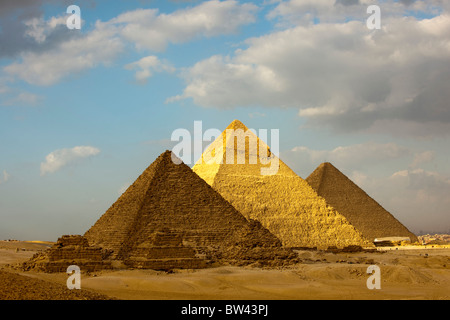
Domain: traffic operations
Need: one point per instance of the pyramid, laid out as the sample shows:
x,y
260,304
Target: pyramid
x,y
68,250
357,206
170,218
283,202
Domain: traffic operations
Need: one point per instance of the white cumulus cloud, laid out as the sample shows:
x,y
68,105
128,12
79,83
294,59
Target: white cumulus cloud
x,y
39,28
146,29
149,29
60,158
146,66
99,47
338,74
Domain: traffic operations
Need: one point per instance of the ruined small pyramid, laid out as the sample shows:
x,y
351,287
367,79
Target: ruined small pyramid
x,y
68,250
357,206
283,202
169,217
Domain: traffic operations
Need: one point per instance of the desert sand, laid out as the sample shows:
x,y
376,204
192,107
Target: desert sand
x,y
406,273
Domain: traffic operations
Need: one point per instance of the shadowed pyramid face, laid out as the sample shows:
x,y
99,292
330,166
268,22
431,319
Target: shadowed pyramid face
x,y
358,207
283,202
169,196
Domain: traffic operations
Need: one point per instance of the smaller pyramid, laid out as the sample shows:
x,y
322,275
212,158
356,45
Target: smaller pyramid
x,y
68,250
171,218
363,212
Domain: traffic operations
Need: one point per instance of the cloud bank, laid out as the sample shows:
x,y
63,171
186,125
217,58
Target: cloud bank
x,y
145,29
339,74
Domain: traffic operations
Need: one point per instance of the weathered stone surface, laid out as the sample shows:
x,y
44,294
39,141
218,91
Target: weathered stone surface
x,y
357,206
71,240
171,218
68,250
169,264
284,203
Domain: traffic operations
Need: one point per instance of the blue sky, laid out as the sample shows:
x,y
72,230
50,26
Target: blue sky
x,y
84,112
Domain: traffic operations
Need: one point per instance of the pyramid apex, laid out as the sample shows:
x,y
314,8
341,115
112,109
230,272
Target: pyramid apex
x,y
168,155
327,164
236,124
316,177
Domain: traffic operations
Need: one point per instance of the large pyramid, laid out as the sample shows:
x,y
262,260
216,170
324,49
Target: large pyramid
x,y
169,217
357,206
283,202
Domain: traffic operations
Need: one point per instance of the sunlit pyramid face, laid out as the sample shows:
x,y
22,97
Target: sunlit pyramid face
x,y
283,202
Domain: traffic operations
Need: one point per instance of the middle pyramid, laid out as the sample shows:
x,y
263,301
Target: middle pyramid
x,y
283,202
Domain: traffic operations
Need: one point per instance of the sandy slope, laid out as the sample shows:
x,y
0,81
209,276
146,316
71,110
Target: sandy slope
x,y
405,274
22,287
